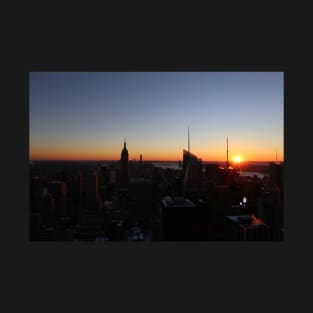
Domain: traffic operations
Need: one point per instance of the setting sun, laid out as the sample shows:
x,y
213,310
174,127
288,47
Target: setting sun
x,y
237,159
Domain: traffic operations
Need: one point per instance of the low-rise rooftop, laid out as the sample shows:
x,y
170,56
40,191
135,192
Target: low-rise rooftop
x,y
177,202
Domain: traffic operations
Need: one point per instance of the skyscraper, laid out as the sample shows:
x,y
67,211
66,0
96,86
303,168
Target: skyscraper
x,y
192,169
276,174
92,197
183,220
246,228
124,165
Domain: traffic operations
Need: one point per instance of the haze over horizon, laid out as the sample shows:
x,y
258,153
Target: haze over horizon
x,y
86,115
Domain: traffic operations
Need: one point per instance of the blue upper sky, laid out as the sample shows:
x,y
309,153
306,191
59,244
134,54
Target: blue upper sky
x,y
90,113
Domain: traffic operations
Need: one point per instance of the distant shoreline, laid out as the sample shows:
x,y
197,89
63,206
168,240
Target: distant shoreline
x,y
245,167
158,161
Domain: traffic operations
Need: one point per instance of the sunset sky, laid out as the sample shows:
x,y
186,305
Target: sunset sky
x,y
85,115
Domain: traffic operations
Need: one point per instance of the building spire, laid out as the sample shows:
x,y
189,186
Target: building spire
x,y
227,163
188,140
125,142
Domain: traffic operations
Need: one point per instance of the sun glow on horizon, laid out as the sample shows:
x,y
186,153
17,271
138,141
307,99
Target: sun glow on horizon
x,y
114,154
237,159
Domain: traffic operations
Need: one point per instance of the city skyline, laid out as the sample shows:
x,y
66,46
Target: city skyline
x,y
86,115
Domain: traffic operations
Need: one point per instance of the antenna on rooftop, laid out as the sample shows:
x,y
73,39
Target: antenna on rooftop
x,y
227,163
188,140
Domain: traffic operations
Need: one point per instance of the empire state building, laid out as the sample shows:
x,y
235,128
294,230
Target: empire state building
x,y
124,164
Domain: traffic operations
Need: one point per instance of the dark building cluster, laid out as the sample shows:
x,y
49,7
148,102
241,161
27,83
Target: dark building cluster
x,y
134,200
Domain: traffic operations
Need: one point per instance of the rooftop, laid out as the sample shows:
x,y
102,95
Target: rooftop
x,y
247,220
177,202
139,180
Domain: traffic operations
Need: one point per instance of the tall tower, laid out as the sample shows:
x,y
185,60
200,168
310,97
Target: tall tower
x,y
188,140
140,159
227,162
124,164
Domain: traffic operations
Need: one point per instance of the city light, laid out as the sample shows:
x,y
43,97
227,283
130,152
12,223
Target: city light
x,y
244,200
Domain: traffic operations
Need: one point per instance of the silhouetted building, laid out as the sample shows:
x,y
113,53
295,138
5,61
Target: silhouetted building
x,y
211,171
140,198
276,175
48,209
124,165
192,171
92,198
182,220
77,189
246,228
58,190
112,175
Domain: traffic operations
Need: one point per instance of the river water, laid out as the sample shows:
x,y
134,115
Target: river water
x,y
174,166
251,174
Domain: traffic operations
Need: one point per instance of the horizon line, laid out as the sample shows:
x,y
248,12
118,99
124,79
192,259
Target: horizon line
x,y
152,160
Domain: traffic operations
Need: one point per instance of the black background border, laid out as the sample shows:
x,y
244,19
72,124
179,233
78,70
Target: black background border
x,y
153,276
